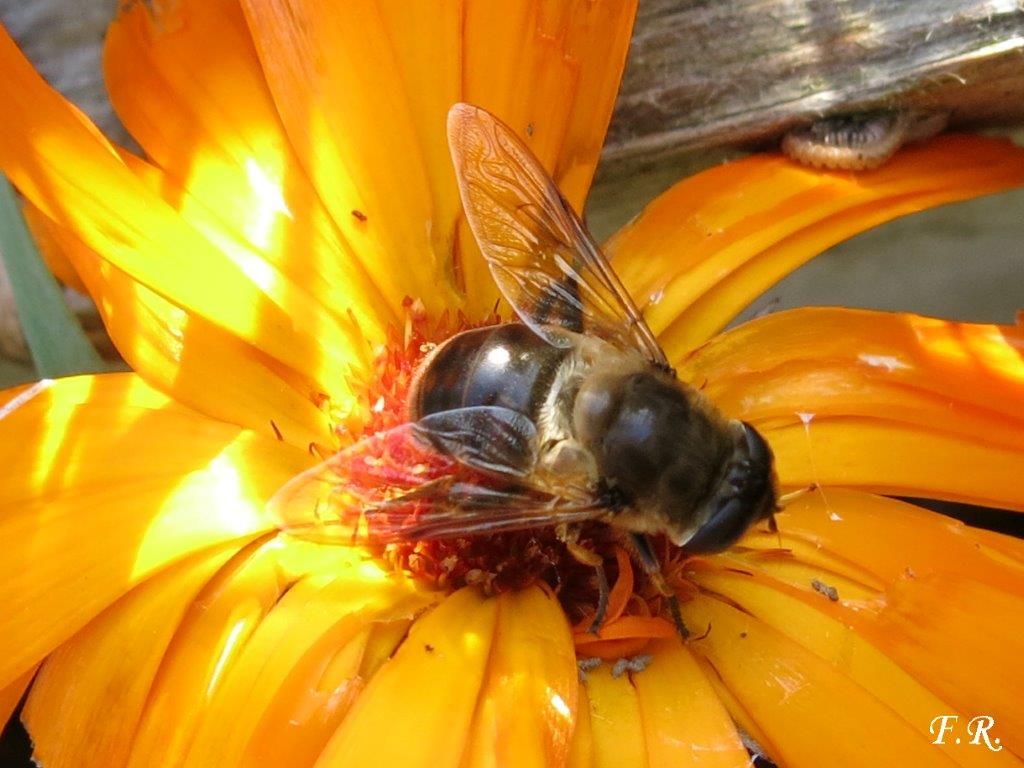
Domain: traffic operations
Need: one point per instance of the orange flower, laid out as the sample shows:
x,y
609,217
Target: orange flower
x,y
253,268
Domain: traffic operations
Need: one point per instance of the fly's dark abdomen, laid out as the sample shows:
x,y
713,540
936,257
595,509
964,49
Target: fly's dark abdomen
x,y
504,365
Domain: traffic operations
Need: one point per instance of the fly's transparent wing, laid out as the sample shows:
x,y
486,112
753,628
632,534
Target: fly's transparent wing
x,y
449,508
486,438
458,473
326,503
542,258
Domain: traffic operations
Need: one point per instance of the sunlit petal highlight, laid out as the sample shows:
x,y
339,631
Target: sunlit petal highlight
x,y
709,246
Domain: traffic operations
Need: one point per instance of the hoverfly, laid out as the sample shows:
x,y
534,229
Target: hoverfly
x,y
572,415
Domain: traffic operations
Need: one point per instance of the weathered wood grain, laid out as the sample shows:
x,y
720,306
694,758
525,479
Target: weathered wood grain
x,y
705,73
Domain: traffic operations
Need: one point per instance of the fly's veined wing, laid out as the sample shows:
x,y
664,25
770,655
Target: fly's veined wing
x,y
542,258
450,508
486,438
327,502
456,473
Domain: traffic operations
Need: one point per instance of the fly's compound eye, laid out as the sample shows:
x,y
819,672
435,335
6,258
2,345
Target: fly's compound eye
x,y
745,496
757,448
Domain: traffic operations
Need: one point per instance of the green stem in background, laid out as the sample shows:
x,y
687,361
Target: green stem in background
x,y
57,342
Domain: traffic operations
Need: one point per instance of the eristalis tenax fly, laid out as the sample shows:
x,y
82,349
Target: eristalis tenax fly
x,y
570,416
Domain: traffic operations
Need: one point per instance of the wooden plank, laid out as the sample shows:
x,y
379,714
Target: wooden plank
x,y
706,73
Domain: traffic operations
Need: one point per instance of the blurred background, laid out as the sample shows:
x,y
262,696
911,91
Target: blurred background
x,y
708,81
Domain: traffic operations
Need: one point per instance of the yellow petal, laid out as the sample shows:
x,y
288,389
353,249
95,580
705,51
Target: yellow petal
x,y
820,626
207,642
941,594
931,621
303,666
105,482
886,539
61,164
892,403
226,160
393,721
368,121
90,695
186,356
617,730
527,709
551,72
710,245
339,90
54,250
892,458
581,748
11,694
797,698
684,722
233,633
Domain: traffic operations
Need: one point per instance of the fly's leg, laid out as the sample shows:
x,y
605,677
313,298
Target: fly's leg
x,y
788,498
649,562
588,557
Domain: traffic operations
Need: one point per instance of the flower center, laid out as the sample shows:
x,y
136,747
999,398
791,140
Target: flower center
x,y
502,561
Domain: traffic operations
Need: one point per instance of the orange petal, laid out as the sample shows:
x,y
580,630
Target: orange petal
x,y
868,362
892,458
550,71
623,588
617,730
338,86
235,646
796,697
892,656
886,539
684,721
942,594
612,650
626,627
930,622
90,695
619,596
581,748
52,248
393,722
105,482
814,622
11,694
61,164
527,709
892,403
304,665
187,357
368,120
228,164
557,90
710,245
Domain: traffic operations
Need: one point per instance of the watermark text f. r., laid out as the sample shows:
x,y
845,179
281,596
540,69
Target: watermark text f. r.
x,y
978,727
